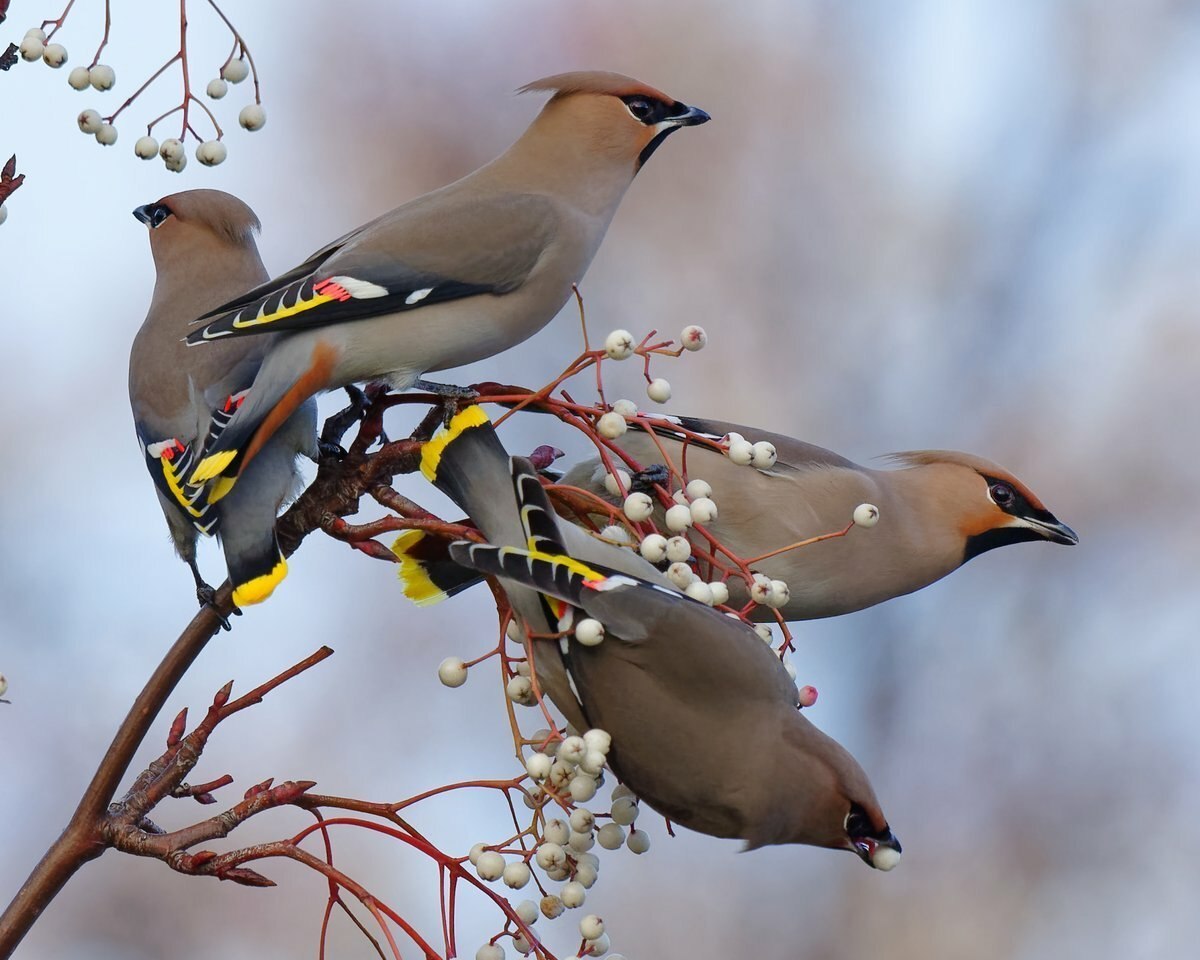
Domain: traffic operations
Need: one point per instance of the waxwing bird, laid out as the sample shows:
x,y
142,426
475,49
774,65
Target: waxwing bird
x,y
204,253
937,510
451,277
703,717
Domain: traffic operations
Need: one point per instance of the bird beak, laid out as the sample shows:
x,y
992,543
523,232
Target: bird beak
x,y
690,117
880,853
143,213
1051,529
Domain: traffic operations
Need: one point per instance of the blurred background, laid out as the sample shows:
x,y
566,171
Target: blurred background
x,y
909,225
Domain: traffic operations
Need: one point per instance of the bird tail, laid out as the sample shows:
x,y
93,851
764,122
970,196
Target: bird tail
x,y
255,571
426,572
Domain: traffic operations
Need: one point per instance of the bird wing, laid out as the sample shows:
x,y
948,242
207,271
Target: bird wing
x,y
432,250
791,452
170,461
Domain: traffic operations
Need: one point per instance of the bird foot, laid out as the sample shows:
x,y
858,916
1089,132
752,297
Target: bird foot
x,y
329,450
336,426
451,391
644,481
207,597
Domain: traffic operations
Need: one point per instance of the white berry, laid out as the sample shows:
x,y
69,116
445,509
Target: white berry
x,y
573,894
589,632
741,452
611,425
79,79
490,865
586,875
176,164
615,534
519,690
36,32
516,874
624,811
597,740
693,338
659,390
720,592
615,483
790,668
102,77
779,594
678,548
760,588
89,121
619,345
703,510
598,947
582,788
654,547
638,507
552,907
521,945
32,48
581,842
475,851
171,149
681,575
610,836
452,672
626,408
490,951
556,831
55,55
146,148
582,820
764,632
764,455
679,518
252,117
106,136
538,765
3,679
550,855
866,515
699,590
527,910
590,927
638,841
211,152
235,71
3,217
217,88
698,488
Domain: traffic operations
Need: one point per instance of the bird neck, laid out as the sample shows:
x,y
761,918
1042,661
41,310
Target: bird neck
x,y
565,159
928,531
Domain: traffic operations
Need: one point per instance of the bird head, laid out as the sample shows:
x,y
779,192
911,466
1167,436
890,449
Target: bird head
x,y
619,116
190,215
991,507
869,836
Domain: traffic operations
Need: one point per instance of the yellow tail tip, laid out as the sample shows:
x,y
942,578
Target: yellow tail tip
x,y
212,465
414,578
257,590
431,452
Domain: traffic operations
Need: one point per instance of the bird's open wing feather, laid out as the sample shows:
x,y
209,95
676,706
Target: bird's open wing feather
x,y
429,251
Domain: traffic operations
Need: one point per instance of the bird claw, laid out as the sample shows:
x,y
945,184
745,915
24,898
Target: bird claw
x,y
329,450
207,597
644,481
448,391
336,426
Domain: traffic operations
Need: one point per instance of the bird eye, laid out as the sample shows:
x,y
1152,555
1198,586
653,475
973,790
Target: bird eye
x,y
158,214
641,109
1002,495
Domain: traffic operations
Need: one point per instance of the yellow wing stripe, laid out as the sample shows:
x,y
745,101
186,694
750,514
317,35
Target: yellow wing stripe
x,y
261,587
211,466
431,452
561,559
283,312
418,586
220,487
176,487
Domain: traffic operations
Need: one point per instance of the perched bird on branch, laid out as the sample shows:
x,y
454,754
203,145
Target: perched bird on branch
x,y
451,277
204,253
703,716
936,510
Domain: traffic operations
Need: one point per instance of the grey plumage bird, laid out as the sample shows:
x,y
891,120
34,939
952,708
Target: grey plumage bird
x,y
204,253
937,510
451,277
703,716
